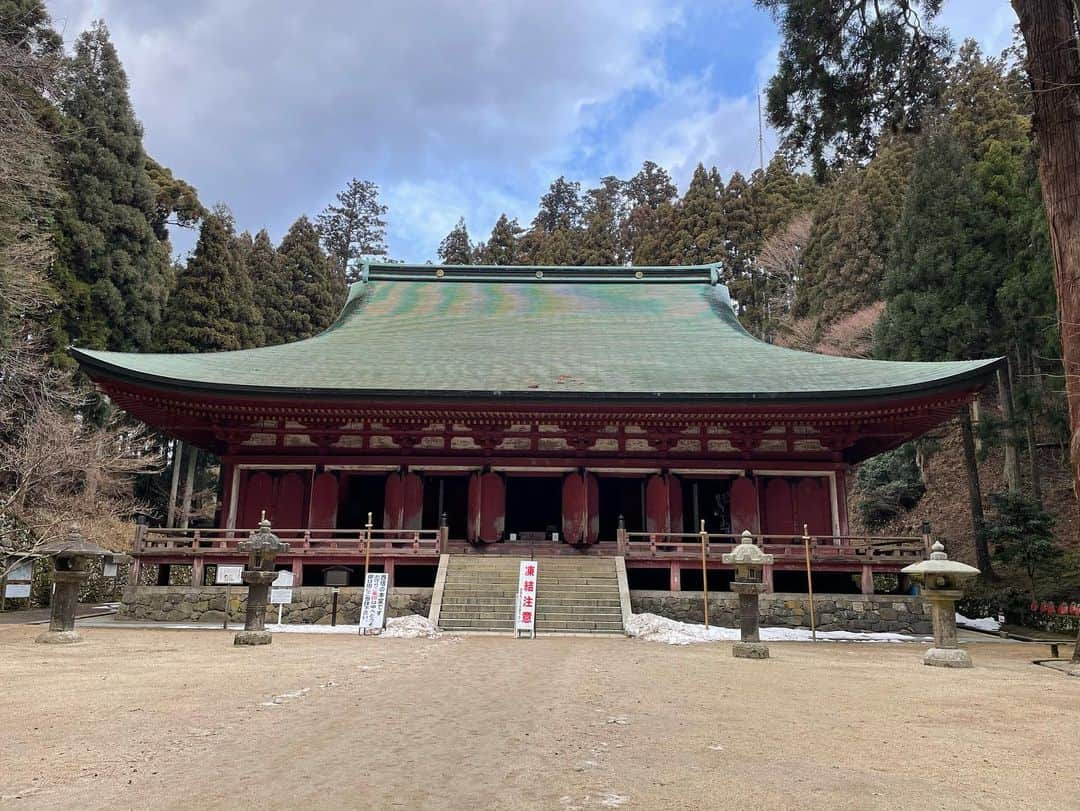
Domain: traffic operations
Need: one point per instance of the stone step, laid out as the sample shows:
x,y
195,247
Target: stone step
x,y
579,625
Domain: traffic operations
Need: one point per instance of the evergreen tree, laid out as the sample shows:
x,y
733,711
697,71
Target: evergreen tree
x,y
650,187
502,246
174,198
653,235
560,207
353,228
307,290
456,249
112,269
262,266
606,209
699,234
846,254
207,311
941,283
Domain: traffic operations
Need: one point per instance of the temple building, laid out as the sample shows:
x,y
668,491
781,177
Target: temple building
x,y
535,412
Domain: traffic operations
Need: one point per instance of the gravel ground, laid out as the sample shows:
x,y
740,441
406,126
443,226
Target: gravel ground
x,y
141,718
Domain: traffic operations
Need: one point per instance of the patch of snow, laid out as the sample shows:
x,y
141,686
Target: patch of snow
x,y
410,627
284,698
655,628
979,624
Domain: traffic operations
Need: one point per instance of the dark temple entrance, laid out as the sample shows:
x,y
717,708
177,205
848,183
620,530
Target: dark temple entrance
x,y
533,507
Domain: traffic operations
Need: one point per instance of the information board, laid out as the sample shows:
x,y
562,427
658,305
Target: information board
x,y
373,609
17,582
525,620
281,588
229,575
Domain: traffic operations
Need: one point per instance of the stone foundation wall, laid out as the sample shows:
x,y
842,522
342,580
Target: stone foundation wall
x,y
832,612
310,604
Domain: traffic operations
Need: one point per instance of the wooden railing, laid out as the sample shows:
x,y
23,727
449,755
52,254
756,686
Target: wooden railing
x,y
839,548
313,542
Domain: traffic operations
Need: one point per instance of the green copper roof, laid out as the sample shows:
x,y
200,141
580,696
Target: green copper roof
x,y
453,331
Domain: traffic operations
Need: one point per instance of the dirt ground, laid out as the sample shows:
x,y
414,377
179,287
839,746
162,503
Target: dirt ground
x,y
138,718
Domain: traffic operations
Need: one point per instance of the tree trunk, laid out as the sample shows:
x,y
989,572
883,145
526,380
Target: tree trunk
x,y
178,452
1012,458
189,487
1029,428
978,521
1053,65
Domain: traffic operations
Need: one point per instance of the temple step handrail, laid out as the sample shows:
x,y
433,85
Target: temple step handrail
x,y
681,544
150,540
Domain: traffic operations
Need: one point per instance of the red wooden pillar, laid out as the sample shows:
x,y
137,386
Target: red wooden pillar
x,y
675,504
412,501
866,581
767,578
198,570
227,469
744,506
676,577
592,509
388,567
324,502
492,507
574,509
393,502
298,571
657,505
472,525
487,508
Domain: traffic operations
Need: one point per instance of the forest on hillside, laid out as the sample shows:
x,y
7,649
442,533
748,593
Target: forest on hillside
x,y
927,242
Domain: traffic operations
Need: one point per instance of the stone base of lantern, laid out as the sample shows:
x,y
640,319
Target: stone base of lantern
x,y
750,650
59,637
252,638
947,657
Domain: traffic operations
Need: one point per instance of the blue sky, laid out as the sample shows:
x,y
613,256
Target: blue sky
x,y
455,109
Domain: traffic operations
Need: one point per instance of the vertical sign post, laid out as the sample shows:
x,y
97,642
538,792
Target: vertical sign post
x,y
281,591
809,582
525,619
373,609
228,575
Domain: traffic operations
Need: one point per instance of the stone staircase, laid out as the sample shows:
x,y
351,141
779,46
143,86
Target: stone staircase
x,y
574,595
479,594
578,595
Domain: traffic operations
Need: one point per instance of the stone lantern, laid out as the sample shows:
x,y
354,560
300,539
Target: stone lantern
x,y
749,562
72,557
262,547
942,581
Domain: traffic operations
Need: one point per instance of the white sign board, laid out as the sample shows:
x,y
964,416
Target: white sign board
x,y
373,609
108,569
229,575
21,575
525,620
281,588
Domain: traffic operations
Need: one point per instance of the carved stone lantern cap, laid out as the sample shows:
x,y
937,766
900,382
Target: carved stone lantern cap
x,y
939,565
73,545
747,553
263,540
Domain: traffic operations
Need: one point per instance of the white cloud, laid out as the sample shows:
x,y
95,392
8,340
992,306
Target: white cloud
x,y
273,106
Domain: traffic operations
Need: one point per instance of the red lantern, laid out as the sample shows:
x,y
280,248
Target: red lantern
x,y
1074,609
1034,606
1063,609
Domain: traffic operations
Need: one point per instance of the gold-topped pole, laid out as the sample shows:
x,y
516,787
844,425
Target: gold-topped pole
x,y
704,569
367,546
809,582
